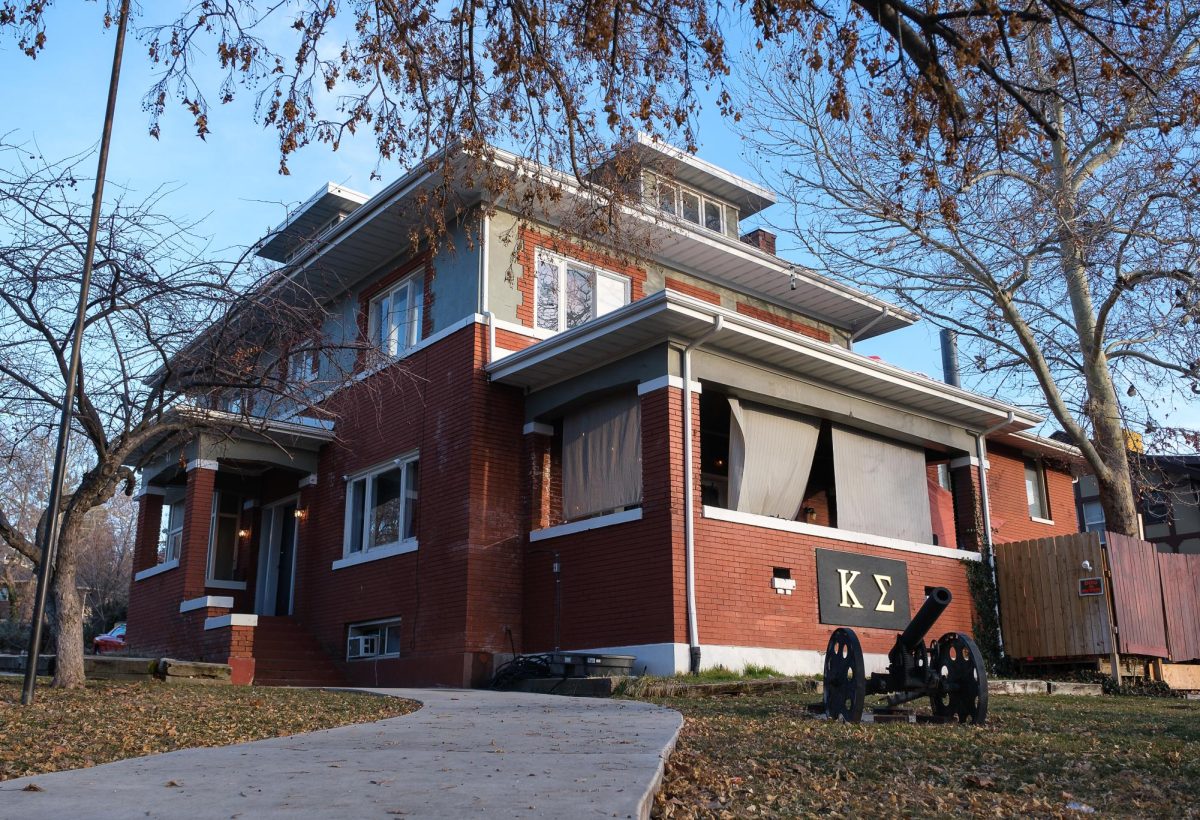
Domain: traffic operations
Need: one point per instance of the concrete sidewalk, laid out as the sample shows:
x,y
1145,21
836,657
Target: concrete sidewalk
x,y
465,753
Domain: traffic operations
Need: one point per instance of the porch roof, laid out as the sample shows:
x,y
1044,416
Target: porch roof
x,y
674,317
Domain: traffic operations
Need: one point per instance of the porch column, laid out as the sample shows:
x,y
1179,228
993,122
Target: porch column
x,y
149,521
539,441
968,502
197,520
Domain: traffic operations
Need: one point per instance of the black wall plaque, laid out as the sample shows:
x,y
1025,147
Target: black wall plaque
x,y
860,590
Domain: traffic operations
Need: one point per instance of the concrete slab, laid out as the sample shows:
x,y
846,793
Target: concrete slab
x,y
464,753
1071,688
1017,687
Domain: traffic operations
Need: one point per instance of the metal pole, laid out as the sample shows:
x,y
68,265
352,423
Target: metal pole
x,y
53,523
557,602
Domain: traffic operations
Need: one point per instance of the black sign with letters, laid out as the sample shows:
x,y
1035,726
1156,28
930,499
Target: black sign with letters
x,y
861,590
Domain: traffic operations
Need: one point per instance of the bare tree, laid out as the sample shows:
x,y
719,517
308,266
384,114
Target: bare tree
x,y
1069,260
166,330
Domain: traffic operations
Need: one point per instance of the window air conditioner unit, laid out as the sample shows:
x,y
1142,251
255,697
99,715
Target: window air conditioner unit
x,y
364,646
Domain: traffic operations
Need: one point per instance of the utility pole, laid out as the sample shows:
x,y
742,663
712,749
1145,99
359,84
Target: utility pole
x,y
52,529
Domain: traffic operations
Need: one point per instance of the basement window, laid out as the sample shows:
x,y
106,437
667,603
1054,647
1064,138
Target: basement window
x,y
372,640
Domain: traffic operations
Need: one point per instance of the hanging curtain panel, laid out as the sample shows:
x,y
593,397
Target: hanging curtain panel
x,y
881,487
602,457
770,457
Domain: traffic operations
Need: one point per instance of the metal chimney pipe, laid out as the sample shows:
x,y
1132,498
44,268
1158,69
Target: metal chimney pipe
x,y
950,358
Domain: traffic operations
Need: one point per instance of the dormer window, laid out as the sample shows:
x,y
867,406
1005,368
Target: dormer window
x,y
690,205
395,318
569,293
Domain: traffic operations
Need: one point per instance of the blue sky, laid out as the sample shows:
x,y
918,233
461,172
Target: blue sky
x,y
230,180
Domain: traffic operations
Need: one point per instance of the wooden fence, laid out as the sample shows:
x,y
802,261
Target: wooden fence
x,y
1181,601
1150,600
1042,614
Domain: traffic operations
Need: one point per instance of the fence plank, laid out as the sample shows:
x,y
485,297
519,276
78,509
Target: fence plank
x,y
1042,614
1137,596
1180,577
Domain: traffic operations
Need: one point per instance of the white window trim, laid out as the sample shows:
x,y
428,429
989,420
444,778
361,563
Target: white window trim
x,y
400,547
415,329
723,206
1039,468
1037,520
309,367
802,528
563,263
379,655
172,532
209,580
585,524
157,569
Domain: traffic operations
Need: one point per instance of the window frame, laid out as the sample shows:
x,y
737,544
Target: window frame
x,y
210,579
652,189
406,498
1038,468
303,365
414,283
381,626
565,265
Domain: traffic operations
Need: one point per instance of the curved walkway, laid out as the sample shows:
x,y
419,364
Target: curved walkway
x,y
465,753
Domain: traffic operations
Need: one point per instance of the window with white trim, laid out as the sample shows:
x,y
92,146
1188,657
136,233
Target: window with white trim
x,y
1093,518
568,293
302,364
1035,489
381,507
690,205
170,532
223,537
394,322
372,640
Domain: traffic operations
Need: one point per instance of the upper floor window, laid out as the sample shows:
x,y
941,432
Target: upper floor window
x,y
1093,518
1035,489
569,293
302,364
691,206
395,318
381,507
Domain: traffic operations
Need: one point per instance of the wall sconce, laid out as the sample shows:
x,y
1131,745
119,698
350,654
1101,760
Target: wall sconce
x,y
810,515
301,514
243,534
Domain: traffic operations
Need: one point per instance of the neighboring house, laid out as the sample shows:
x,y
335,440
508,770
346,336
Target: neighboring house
x,y
554,385
1169,504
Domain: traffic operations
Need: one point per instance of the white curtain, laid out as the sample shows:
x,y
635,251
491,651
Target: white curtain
x,y
881,486
602,457
770,458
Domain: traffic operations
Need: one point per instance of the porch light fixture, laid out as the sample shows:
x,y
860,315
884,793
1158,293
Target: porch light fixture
x,y
300,513
243,533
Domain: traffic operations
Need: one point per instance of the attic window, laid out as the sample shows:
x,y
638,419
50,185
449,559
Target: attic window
x,y
690,205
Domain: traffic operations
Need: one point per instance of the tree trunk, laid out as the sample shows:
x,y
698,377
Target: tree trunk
x,y
68,621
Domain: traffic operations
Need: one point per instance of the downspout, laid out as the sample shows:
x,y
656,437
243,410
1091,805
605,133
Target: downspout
x,y
689,505
484,296
981,454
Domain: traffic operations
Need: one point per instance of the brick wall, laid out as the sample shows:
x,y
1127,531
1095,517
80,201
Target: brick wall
x,y
780,319
1009,504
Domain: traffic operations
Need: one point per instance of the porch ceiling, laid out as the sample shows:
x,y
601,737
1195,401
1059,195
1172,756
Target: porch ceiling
x,y
674,317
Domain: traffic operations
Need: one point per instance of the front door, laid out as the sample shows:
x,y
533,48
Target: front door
x,y
277,559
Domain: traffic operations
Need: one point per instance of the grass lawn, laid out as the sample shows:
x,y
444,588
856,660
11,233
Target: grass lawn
x,y
763,755
109,721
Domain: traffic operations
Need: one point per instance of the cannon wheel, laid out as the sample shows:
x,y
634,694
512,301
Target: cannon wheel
x,y
845,683
960,664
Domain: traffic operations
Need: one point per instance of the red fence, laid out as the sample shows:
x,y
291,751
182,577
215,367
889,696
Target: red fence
x,y
1181,602
1137,596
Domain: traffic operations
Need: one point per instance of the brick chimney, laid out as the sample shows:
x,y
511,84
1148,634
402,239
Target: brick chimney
x,y
763,240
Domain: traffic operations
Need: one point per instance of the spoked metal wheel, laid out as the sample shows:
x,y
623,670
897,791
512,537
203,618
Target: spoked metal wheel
x,y
963,692
845,683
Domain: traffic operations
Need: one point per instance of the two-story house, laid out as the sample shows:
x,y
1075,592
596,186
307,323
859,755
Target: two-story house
x,y
682,438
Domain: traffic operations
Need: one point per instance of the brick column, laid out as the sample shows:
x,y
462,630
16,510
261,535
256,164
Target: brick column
x,y
149,521
968,503
197,518
539,442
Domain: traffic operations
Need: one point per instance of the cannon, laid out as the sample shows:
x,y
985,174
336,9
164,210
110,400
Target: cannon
x,y
949,671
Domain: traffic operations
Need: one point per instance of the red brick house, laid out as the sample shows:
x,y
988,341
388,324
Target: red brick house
x,y
689,437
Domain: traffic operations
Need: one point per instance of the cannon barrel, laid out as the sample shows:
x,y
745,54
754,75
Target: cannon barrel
x,y
914,634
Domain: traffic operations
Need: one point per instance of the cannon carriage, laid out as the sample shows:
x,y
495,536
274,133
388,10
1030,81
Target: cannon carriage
x,y
949,671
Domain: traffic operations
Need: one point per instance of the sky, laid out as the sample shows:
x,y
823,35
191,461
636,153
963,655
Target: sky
x,y
54,106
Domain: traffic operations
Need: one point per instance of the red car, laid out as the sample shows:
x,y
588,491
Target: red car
x,y
111,641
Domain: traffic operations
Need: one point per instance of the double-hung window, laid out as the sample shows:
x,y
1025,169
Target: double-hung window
x,y
302,364
223,538
395,318
381,508
170,534
1035,490
569,293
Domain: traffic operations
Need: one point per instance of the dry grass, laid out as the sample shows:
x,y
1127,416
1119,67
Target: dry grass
x,y
110,721
764,755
